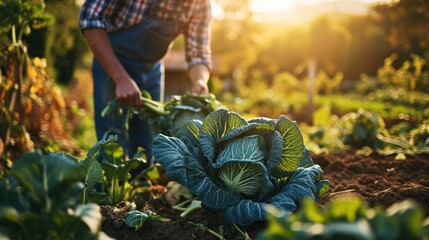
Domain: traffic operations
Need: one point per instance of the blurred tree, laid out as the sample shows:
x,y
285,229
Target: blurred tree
x,y
235,38
19,18
283,51
349,44
368,47
68,46
28,99
406,23
329,42
61,43
340,43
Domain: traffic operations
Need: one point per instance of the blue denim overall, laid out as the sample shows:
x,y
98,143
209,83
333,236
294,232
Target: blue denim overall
x,y
139,49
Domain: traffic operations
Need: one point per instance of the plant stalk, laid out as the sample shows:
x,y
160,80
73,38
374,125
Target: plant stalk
x,y
242,233
200,225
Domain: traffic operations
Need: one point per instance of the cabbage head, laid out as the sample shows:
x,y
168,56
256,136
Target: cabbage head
x,y
241,167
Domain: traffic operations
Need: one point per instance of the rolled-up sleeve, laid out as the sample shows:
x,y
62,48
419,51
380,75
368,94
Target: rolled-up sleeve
x,y
198,36
91,14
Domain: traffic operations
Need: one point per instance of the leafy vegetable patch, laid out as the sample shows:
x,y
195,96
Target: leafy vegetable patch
x,y
169,117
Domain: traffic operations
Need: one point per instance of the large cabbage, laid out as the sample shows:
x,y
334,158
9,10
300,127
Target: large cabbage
x,y
241,166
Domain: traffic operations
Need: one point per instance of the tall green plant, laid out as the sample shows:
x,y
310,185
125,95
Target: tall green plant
x,y
65,45
18,18
93,171
107,179
117,179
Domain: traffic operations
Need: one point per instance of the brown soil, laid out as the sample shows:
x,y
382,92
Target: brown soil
x,y
379,180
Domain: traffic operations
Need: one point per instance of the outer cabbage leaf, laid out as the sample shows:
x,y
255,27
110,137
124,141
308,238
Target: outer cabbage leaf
x,y
190,132
292,147
170,153
192,129
293,144
186,168
301,185
306,160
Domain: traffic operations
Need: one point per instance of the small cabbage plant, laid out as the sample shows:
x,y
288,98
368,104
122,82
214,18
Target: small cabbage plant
x,y
242,167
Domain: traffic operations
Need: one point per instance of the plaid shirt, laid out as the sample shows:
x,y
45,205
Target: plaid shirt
x,y
194,17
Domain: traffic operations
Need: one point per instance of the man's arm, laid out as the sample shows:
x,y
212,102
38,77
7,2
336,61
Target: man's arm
x,y
197,44
127,90
199,75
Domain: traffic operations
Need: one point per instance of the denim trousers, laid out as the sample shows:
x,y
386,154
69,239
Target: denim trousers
x,y
140,49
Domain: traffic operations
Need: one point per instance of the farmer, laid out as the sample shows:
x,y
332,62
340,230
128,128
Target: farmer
x,y
128,39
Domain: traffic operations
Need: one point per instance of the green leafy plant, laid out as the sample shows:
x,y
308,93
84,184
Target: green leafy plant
x,y
40,200
323,135
94,172
169,117
417,142
411,76
106,166
359,129
117,179
241,167
136,219
348,218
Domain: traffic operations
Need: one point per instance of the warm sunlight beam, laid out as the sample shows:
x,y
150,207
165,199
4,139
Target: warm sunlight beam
x,y
272,5
278,5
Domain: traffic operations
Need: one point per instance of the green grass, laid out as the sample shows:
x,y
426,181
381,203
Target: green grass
x,y
351,102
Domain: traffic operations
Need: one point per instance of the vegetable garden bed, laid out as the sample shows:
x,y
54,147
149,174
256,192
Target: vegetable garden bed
x,y
379,180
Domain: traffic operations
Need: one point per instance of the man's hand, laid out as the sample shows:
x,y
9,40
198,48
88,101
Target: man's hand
x,y
127,90
199,75
199,87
